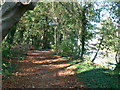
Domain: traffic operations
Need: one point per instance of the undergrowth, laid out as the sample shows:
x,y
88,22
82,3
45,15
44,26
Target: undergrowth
x,y
8,67
95,76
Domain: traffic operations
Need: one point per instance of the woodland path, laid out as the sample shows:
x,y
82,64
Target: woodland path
x,y
42,69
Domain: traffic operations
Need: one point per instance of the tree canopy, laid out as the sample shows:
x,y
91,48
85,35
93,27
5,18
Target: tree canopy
x,y
86,33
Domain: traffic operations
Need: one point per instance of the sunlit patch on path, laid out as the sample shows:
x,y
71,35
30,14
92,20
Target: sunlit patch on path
x,y
42,69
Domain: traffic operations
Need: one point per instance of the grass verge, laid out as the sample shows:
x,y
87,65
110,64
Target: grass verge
x,y
95,76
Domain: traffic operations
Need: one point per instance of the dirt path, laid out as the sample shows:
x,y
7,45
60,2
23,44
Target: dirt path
x,y
42,69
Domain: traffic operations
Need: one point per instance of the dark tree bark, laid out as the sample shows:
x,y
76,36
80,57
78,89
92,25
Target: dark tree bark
x,y
11,12
10,36
117,68
97,50
45,35
83,32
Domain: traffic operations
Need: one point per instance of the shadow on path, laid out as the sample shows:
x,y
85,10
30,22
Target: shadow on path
x,y
42,69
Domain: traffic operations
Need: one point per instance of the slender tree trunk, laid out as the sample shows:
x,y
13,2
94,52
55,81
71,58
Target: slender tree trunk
x,y
83,32
117,68
119,44
56,36
97,50
78,42
116,57
83,44
45,37
20,39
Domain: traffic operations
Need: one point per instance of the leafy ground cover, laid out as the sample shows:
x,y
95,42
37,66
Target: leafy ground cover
x,y
95,76
8,57
8,68
37,69
42,69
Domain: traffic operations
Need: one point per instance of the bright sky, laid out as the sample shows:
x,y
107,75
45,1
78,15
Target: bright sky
x,y
103,15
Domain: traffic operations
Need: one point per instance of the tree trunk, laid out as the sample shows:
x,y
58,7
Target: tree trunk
x,y
11,13
10,36
45,36
83,32
21,32
117,68
97,50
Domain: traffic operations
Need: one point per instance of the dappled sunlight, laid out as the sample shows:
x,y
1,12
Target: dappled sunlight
x,y
21,74
54,68
24,61
66,73
37,57
59,65
49,61
46,70
37,52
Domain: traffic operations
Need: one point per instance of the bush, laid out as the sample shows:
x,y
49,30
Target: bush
x,y
6,52
8,68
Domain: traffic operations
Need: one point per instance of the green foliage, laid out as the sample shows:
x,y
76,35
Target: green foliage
x,y
6,52
8,68
95,76
54,25
109,32
66,28
117,69
83,66
65,49
99,78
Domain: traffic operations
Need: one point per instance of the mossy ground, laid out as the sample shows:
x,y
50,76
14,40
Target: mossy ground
x,y
95,76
